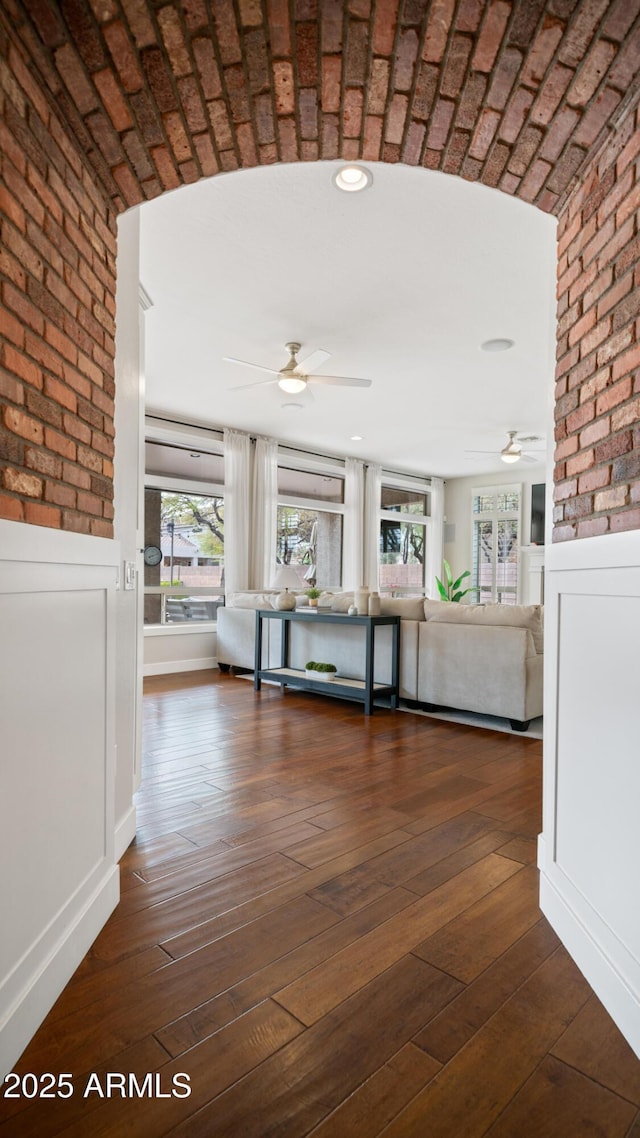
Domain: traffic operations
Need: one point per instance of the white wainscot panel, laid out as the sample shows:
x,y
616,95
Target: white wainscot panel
x,y
589,851
598,791
59,881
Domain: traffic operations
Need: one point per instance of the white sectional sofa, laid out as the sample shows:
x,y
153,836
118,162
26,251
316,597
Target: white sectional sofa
x,y
481,658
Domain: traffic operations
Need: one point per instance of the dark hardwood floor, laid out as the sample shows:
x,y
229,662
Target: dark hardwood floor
x,y
330,924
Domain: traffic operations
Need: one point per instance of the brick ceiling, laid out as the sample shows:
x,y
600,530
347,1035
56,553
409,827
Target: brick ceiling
x,y
510,94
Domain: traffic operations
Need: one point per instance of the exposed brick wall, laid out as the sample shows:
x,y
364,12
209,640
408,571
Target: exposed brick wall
x,y
113,102
597,472
57,306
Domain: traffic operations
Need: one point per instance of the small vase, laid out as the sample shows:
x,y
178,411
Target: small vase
x,y
313,602
362,601
374,604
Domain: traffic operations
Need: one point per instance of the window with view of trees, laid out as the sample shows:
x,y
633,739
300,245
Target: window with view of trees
x,y
309,532
404,516
496,543
184,519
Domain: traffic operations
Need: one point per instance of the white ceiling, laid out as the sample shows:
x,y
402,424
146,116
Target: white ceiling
x,y
400,283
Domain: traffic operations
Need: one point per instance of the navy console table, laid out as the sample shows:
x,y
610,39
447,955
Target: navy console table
x,y
365,691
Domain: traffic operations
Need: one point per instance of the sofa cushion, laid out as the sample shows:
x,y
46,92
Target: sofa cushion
x,y
506,616
341,602
408,608
249,600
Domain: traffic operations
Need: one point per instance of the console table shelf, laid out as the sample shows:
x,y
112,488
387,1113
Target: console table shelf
x,y
365,691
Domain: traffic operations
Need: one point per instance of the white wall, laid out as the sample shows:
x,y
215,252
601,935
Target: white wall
x,y
180,650
128,524
589,852
57,708
457,509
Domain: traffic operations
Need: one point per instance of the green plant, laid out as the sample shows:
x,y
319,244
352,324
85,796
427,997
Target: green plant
x,y
312,666
313,594
452,591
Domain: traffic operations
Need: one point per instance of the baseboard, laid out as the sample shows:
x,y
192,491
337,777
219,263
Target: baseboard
x,y
165,669
125,832
609,985
26,1015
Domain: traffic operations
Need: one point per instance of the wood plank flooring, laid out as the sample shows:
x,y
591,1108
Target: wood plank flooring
x,y
330,924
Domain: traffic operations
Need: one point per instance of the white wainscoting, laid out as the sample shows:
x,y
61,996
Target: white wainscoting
x,y
182,648
59,880
589,851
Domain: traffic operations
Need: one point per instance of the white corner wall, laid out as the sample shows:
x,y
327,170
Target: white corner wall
x,y
57,708
589,850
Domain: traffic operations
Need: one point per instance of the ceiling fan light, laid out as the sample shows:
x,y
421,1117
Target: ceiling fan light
x,y
293,385
351,179
510,455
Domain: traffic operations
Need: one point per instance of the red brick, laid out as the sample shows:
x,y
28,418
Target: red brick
x,y
626,416
563,533
440,20
11,508
564,490
613,447
19,482
610,499
625,520
578,330
23,425
593,527
37,514
579,462
577,419
627,361
60,495
594,479
491,35
56,442
76,476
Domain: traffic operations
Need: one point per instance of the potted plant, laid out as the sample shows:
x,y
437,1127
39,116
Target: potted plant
x,y
318,671
452,591
313,595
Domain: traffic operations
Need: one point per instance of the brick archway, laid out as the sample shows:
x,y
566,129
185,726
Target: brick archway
x,y
106,104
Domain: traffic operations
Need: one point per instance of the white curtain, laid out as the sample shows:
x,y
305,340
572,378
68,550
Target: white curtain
x,y
353,535
435,544
264,513
237,509
373,482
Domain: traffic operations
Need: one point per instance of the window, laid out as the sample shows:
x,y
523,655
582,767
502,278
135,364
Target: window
x,y
184,519
309,534
404,521
496,543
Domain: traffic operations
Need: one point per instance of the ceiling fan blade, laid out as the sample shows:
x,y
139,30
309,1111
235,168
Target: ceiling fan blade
x,y
258,383
340,380
529,458
310,363
246,363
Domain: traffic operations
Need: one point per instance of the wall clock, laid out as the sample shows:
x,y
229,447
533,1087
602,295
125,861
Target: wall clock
x,y
152,555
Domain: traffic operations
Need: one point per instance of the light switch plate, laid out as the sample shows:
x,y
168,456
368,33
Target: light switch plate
x,y
129,574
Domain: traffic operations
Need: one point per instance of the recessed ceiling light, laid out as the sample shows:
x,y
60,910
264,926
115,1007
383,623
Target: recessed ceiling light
x,y
293,406
194,454
356,438
498,345
353,178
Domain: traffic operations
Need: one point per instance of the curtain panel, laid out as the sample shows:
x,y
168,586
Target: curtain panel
x,y
237,510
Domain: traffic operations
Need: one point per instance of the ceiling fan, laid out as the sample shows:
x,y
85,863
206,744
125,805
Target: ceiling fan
x,y
294,376
512,452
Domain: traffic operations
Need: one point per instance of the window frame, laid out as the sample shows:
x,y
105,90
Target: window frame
x,y
420,486
206,441
495,516
314,464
